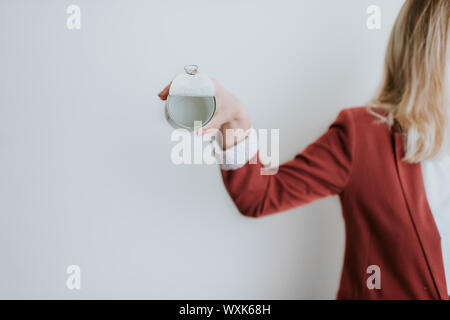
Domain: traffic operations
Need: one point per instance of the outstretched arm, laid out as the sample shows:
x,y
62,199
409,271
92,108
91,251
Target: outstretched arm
x,y
322,169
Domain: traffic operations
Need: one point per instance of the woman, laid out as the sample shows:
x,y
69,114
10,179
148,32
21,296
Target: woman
x,y
388,163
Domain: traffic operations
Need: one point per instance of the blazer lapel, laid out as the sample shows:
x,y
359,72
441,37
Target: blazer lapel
x,y
414,192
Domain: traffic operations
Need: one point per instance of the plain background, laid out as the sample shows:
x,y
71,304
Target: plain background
x,y
85,170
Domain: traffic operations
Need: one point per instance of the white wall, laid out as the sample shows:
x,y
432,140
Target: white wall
x,y
85,170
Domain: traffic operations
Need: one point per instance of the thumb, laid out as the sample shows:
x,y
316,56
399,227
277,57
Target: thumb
x,y
165,92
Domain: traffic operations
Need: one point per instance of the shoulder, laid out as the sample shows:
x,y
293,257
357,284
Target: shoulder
x,y
362,127
364,118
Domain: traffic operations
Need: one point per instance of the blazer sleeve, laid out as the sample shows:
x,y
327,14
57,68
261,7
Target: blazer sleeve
x,y
321,169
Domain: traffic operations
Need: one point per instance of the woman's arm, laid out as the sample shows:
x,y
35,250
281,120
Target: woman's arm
x,y
322,169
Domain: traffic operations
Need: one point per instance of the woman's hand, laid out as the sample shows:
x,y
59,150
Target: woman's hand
x,y
230,114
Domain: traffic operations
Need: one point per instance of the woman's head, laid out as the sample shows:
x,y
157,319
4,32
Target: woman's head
x,y
415,89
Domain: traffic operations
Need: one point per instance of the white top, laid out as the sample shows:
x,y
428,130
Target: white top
x,y
436,176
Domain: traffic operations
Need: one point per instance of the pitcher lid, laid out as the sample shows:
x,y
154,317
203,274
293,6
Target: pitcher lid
x,y
192,83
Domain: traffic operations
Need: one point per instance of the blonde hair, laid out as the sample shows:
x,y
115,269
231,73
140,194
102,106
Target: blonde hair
x,y
414,90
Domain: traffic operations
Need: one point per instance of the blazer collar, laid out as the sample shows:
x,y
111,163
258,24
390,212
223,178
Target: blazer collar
x,y
411,180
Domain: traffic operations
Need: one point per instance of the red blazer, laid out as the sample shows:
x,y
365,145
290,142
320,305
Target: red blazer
x,y
388,221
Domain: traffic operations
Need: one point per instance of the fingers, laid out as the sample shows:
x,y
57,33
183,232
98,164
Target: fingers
x,y
216,85
214,124
165,92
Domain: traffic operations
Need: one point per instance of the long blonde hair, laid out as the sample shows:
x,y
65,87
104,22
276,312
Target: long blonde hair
x,y
414,90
